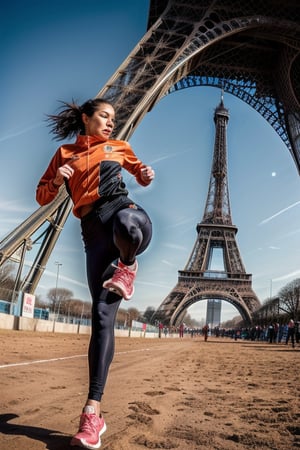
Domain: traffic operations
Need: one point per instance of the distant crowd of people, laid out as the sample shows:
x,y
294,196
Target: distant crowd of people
x,y
275,333
272,333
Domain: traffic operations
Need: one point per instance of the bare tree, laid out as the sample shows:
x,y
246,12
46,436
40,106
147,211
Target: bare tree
x,y
148,314
7,281
122,318
40,302
289,299
77,308
57,297
126,316
134,314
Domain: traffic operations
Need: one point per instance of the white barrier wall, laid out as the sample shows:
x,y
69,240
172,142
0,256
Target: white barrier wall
x,y
10,322
7,321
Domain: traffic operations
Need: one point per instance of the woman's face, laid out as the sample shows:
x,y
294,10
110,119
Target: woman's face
x,y
101,123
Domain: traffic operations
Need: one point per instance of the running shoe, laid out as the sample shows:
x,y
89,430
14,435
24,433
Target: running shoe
x,y
122,280
91,427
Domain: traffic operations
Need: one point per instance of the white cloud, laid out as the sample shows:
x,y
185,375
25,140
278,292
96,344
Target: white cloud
x,y
13,206
174,246
167,263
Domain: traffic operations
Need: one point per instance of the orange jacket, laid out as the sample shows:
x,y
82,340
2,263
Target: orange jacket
x,y
90,159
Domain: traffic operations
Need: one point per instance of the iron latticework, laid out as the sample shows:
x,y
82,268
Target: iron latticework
x,y
200,280
217,208
251,49
46,224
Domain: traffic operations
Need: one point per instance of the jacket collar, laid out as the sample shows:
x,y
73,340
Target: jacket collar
x,y
85,140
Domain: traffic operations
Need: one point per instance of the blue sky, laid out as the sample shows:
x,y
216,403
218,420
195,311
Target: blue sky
x,y
65,49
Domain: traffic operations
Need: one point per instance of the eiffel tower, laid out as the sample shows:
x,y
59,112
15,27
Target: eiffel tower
x,y
252,49
200,280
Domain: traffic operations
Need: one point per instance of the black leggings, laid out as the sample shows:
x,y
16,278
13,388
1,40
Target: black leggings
x,y
126,235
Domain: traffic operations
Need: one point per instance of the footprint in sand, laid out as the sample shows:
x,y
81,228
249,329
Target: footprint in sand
x,y
142,412
154,393
143,407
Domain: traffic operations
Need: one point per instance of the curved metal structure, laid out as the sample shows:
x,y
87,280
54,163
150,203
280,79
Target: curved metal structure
x,y
251,49
48,221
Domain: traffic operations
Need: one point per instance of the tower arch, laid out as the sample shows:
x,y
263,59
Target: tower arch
x,y
194,296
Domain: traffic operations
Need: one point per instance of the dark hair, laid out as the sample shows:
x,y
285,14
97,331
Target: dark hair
x,y
68,122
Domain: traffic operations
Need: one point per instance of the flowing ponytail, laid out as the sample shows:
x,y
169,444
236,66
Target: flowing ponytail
x,y
68,122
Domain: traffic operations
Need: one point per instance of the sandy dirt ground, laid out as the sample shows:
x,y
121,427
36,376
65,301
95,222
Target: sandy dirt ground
x,y
167,393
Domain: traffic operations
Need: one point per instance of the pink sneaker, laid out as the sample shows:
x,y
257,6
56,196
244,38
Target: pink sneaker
x,y
91,427
122,280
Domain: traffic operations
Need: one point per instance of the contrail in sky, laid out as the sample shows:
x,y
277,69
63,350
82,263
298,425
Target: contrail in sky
x,y
287,276
279,213
18,133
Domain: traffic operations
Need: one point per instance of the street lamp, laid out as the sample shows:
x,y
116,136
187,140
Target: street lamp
x,y
58,264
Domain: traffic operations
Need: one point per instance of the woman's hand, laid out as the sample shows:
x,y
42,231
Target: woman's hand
x,y
147,174
65,171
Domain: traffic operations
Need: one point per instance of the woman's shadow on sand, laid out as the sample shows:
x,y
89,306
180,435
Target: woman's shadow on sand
x,y
53,439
